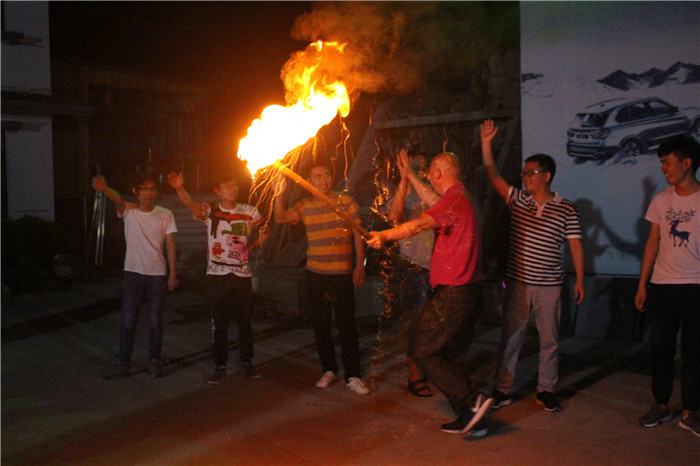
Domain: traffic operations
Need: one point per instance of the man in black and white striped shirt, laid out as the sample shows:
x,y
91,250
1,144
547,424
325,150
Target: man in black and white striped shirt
x,y
541,221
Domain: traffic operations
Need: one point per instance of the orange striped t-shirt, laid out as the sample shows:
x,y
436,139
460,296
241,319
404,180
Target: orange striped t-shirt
x,y
330,238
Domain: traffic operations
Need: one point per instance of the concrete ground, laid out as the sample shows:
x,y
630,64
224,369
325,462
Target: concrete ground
x,y
57,409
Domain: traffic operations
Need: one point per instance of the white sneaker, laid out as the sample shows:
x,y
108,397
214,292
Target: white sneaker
x,y
357,386
326,379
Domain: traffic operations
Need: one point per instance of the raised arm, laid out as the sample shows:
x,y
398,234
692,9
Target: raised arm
x,y
399,200
488,132
99,184
424,192
177,181
281,214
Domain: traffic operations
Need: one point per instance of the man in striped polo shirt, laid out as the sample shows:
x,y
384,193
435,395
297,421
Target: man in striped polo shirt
x,y
330,275
541,221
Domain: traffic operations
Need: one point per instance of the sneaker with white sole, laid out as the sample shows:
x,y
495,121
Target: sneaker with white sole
x,y
655,416
479,430
326,379
480,407
468,422
250,371
357,386
218,376
500,399
549,402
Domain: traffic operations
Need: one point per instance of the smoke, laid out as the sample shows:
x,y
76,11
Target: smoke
x,y
396,47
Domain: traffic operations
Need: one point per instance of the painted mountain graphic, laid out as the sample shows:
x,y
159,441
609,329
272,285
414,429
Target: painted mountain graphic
x,y
679,73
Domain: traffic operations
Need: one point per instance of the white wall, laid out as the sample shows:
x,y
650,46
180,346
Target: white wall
x,y
27,68
30,169
29,150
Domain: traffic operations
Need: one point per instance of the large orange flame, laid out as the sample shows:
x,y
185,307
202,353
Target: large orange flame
x,y
315,103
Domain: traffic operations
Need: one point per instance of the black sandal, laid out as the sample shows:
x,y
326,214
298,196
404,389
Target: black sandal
x,y
419,388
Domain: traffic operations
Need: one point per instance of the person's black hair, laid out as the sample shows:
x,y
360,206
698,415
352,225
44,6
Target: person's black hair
x,y
683,146
545,162
317,163
223,177
142,178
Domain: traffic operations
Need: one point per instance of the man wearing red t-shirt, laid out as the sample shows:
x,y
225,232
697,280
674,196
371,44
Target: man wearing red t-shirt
x,y
446,323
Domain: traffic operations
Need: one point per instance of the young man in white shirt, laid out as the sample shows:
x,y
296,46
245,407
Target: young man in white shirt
x,y
672,260
146,228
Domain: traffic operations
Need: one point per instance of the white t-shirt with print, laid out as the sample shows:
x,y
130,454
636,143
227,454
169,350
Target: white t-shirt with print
x,y
229,234
678,217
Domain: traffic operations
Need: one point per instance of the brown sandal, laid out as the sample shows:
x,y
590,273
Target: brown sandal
x,y
419,388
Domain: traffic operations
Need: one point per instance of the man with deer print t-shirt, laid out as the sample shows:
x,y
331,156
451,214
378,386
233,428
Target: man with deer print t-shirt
x,y
672,259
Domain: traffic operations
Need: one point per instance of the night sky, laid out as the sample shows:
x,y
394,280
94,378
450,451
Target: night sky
x,y
234,49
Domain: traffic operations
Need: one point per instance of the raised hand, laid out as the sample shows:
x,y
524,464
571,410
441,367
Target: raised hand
x,y
99,183
176,180
488,131
402,162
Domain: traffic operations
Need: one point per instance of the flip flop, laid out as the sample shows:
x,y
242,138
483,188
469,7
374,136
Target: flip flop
x,y
419,388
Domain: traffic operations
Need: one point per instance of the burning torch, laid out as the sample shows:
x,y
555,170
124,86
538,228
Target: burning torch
x,y
280,130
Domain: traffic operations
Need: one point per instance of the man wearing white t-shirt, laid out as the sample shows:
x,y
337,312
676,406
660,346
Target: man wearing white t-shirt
x,y
146,228
672,260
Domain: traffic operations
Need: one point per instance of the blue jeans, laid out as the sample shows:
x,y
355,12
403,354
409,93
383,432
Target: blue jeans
x,y
155,288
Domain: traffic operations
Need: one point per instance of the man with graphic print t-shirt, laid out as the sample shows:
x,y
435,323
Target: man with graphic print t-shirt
x,y
672,260
231,229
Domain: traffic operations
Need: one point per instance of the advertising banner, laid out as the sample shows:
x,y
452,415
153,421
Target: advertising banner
x,y
602,84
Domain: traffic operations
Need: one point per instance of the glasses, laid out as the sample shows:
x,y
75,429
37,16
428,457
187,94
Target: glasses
x,y
532,172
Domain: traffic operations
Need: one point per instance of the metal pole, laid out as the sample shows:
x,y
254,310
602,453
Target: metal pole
x,y
99,209
99,254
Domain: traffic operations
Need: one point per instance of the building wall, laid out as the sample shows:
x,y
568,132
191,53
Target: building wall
x,y
29,168
27,140
26,65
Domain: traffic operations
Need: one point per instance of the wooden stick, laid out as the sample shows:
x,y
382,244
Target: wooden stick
x,y
323,198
